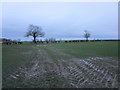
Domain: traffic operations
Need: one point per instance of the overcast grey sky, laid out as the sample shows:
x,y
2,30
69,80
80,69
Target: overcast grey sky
x,y
62,20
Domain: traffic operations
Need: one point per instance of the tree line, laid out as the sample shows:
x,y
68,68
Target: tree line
x,y
36,31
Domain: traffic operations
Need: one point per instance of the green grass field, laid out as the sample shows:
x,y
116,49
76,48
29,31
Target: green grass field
x,y
79,65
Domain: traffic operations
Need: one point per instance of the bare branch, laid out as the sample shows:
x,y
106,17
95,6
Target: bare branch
x,y
86,35
34,31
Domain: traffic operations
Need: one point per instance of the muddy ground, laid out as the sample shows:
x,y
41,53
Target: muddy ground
x,y
62,70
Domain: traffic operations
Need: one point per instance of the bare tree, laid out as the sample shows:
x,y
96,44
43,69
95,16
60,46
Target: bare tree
x,y
86,35
34,31
52,40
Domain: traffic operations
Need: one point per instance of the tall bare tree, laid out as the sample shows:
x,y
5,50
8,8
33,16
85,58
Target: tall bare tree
x,y
86,35
34,31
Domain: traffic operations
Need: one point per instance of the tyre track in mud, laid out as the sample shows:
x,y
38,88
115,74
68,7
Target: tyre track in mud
x,y
89,72
92,72
39,66
91,76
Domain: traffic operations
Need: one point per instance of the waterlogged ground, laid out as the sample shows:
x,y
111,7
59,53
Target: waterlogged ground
x,y
51,67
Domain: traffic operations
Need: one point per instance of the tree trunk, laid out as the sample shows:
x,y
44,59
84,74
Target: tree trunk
x,y
34,38
86,39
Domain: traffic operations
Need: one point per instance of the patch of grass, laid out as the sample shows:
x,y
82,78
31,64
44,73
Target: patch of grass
x,y
13,56
89,49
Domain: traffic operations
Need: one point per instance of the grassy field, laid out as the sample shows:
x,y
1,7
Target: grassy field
x,y
62,65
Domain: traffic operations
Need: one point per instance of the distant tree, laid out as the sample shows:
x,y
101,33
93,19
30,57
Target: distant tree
x,y
86,35
40,40
46,40
34,31
52,39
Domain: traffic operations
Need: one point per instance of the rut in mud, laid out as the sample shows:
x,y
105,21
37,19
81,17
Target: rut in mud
x,y
92,72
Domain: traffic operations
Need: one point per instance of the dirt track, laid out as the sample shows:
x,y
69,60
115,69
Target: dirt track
x,y
92,72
